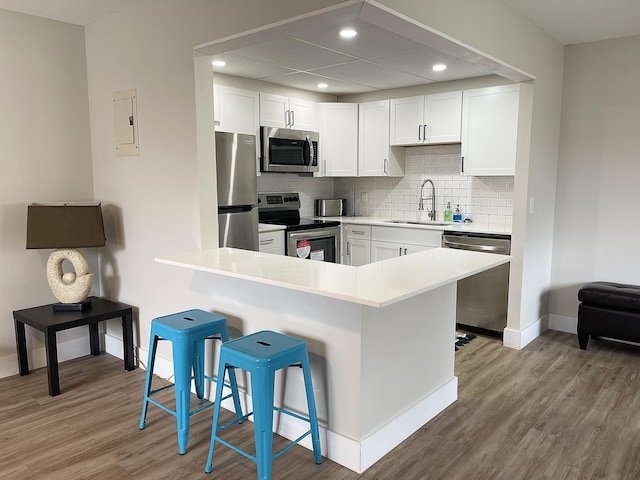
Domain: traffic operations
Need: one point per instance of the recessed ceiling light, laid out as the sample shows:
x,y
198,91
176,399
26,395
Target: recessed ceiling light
x,y
348,33
218,63
323,85
438,67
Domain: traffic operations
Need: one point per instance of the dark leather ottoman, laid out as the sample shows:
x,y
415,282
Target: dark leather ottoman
x,y
608,310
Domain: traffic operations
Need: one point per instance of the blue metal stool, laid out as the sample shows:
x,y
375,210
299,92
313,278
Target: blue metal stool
x,y
262,354
187,332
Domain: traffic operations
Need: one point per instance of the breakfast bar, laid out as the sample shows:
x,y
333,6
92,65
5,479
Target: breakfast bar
x,y
380,336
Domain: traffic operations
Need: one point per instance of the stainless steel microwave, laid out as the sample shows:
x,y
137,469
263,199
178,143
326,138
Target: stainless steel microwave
x,y
289,151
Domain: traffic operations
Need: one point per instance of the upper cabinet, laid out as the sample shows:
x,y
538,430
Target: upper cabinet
x,y
489,130
236,110
338,149
426,119
288,112
376,157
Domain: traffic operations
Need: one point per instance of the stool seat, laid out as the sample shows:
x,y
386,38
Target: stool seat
x,y
187,332
262,354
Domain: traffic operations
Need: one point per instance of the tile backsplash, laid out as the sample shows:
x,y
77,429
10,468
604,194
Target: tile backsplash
x,y
484,199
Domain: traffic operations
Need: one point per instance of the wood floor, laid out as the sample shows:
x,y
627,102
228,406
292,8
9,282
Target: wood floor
x,y
550,411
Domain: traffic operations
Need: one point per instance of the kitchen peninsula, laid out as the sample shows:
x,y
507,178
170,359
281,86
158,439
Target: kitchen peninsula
x,y
380,336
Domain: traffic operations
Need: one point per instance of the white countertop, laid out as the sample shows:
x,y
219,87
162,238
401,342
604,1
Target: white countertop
x,y
475,227
376,284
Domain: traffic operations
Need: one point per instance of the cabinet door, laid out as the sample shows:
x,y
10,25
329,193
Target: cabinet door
x,y
442,117
358,252
273,110
303,115
272,242
373,139
338,148
489,130
238,111
385,250
406,121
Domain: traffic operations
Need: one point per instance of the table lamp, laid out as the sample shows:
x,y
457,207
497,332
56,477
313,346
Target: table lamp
x,y
66,227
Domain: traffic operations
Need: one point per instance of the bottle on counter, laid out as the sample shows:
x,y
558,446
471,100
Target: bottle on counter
x,y
457,215
448,214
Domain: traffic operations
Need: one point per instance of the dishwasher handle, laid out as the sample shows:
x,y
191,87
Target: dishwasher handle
x,y
476,248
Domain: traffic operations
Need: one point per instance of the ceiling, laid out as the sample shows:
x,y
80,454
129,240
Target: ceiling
x,y
388,52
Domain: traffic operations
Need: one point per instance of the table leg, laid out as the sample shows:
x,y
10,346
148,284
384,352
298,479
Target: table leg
x,y
21,346
94,339
127,341
52,363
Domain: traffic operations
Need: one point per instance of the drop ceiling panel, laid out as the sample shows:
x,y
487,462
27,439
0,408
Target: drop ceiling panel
x,y
370,40
420,60
294,54
309,81
372,75
247,68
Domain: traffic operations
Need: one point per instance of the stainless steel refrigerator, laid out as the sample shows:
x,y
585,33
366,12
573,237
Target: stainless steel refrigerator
x,y
237,190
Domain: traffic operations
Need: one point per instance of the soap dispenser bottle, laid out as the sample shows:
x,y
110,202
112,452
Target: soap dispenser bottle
x,y
448,214
457,215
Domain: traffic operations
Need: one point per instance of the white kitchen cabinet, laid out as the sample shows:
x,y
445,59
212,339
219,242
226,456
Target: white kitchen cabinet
x,y
357,250
338,147
489,130
272,242
375,156
391,242
426,119
288,112
236,110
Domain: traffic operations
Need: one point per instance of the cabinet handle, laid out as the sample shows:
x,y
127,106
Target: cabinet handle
x,y
424,132
348,249
400,251
462,164
385,168
357,232
267,241
293,118
419,132
405,251
286,118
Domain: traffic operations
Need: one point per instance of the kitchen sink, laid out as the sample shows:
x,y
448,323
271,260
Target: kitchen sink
x,y
415,222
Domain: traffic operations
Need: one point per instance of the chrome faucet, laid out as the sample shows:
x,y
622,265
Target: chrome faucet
x,y
432,212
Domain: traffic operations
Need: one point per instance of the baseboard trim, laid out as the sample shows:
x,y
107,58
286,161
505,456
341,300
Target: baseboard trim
x,y
77,347
518,339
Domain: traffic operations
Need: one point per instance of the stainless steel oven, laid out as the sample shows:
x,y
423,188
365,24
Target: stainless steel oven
x,y
305,238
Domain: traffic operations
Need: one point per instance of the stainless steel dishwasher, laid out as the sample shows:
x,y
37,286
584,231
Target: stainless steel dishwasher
x,y
482,298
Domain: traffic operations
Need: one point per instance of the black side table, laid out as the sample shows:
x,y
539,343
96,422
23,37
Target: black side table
x,y
48,321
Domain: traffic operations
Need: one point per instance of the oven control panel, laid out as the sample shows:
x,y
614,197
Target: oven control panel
x,y
278,201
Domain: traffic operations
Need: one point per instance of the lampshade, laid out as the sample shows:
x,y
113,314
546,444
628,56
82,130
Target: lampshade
x,y
65,225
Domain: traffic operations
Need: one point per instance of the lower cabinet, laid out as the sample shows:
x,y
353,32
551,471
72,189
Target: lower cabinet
x,y
391,242
272,242
386,250
357,247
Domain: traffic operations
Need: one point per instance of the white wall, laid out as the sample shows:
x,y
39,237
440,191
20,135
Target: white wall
x,y
596,228
45,156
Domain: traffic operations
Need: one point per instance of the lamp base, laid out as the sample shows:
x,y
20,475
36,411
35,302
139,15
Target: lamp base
x,y
71,307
